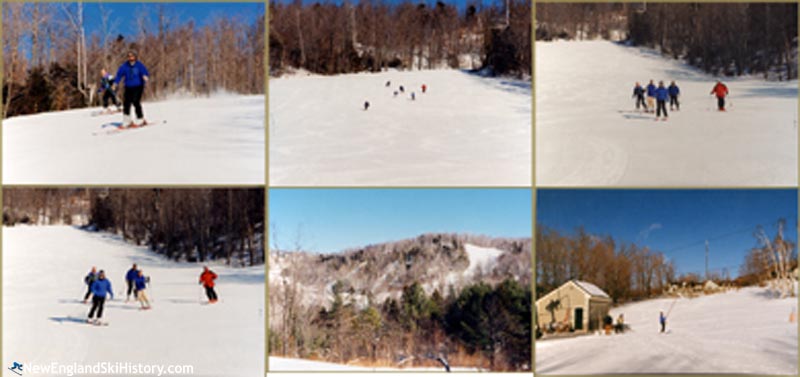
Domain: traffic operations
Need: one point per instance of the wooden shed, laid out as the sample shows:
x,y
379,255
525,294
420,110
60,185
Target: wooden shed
x,y
577,305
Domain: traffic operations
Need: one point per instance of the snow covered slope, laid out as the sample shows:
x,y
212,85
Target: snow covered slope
x,y
588,134
739,332
466,130
217,140
480,258
43,269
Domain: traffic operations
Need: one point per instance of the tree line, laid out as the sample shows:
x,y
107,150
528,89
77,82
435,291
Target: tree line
x,y
372,35
772,262
722,39
193,225
51,63
481,325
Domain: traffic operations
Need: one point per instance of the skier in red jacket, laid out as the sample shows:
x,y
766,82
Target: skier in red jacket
x,y
721,91
207,280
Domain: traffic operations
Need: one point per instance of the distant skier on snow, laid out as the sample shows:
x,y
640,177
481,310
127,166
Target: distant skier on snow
x,y
135,75
388,84
662,319
366,105
721,91
395,93
130,279
424,88
674,92
638,93
662,94
413,96
402,90
651,95
207,280
107,90
141,290
89,279
100,288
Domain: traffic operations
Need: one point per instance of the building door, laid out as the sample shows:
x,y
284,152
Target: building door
x,y
578,318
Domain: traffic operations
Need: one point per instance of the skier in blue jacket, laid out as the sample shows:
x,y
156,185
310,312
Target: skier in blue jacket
x,y
135,75
130,278
141,286
100,288
662,319
107,90
662,95
651,95
674,92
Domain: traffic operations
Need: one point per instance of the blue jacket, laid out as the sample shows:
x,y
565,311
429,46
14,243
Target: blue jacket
x,y
651,90
674,90
141,283
133,74
102,286
662,94
662,318
131,275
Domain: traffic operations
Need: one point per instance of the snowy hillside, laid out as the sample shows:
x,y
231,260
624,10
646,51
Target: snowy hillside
x,y
466,130
739,332
588,133
217,140
43,269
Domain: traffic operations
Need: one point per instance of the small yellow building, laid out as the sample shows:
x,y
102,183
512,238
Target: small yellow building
x,y
577,305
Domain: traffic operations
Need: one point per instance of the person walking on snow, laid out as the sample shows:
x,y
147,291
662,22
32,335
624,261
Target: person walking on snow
x,y
402,90
651,95
141,290
100,288
135,75
413,96
662,319
388,84
638,93
366,105
106,88
662,94
721,91
207,280
89,279
674,92
130,279
424,88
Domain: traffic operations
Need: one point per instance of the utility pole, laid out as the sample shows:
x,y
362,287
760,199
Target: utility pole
x,y
706,259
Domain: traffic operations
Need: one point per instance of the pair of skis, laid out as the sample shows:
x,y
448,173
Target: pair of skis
x,y
113,128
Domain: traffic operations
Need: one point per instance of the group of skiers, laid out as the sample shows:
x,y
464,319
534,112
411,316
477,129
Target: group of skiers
x,y
400,90
99,288
135,75
657,97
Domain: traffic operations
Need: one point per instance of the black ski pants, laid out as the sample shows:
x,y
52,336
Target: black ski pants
x,y
131,288
212,296
661,105
97,305
88,292
640,100
673,101
133,96
109,94
721,103
663,326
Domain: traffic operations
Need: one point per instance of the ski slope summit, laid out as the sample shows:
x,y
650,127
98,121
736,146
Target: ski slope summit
x,y
738,332
465,130
589,134
216,140
43,270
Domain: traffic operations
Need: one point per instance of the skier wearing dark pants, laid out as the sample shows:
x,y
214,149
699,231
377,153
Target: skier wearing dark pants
x,y
721,91
135,75
662,94
130,278
662,319
638,93
106,87
100,288
207,280
89,279
674,92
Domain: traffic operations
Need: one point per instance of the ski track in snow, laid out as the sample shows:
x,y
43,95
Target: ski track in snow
x,y
466,130
739,332
43,270
588,134
217,140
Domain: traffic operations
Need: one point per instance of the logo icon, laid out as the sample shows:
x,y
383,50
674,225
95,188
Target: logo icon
x,y
16,368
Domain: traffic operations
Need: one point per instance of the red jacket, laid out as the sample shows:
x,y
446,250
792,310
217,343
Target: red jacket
x,y
207,278
720,90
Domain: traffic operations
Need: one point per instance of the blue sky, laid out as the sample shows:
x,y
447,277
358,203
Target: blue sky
x,y
331,220
675,222
201,13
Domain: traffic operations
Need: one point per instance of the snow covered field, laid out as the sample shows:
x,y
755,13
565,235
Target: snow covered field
x,y
466,130
587,132
217,140
43,269
739,332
